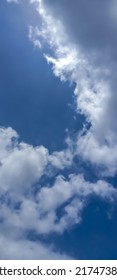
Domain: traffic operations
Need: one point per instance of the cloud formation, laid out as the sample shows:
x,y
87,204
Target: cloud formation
x,y
24,249
83,40
82,36
29,205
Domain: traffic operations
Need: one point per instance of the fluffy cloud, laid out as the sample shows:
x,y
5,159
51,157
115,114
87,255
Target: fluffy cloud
x,y
21,165
39,212
83,37
23,249
29,205
71,196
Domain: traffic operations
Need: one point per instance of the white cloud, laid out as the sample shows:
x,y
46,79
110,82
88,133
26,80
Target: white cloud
x,y
28,205
64,158
83,38
36,209
21,164
23,249
39,213
32,35
75,33
71,195
89,148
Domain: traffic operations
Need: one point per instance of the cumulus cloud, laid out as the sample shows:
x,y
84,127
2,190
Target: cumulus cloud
x,y
39,213
83,39
28,204
82,35
21,165
23,249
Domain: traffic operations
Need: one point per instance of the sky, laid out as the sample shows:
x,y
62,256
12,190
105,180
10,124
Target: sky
x,y
58,129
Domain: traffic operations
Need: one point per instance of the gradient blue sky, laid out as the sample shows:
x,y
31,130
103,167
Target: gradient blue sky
x,y
44,111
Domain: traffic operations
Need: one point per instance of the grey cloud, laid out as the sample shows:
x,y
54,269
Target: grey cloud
x,y
88,23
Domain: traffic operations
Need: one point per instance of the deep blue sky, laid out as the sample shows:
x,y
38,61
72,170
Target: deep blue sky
x,y
36,105
31,98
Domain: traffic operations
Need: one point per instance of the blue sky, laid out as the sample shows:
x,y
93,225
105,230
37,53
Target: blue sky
x,y
58,150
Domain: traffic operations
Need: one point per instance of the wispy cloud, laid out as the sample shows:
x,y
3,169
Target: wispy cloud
x,y
83,38
87,59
